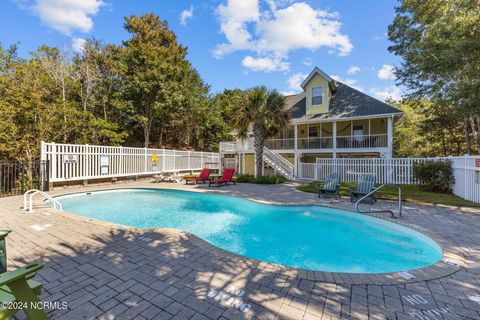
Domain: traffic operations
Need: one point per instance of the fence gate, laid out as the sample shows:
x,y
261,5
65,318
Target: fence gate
x,y
16,177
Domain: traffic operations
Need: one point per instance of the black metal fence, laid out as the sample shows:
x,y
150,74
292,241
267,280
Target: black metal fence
x,y
17,177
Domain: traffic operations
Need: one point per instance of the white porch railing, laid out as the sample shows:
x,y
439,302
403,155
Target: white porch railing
x,y
280,144
343,142
362,141
69,162
315,143
395,171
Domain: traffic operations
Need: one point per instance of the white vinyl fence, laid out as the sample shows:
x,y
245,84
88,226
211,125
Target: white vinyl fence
x,y
70,162
395,171
467,177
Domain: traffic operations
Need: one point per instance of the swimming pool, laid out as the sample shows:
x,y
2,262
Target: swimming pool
x,y
309,237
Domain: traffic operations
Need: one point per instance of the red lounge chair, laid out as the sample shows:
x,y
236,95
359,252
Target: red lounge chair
x,y
204,174
226,178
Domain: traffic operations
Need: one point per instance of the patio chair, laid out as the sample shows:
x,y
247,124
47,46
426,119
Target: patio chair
x,y
225,179
17,290
159,177
365,184
203,177
330,186
20,292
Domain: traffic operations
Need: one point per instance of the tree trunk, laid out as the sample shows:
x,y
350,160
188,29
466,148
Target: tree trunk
x,y
476,134
467,136
258,144
146,132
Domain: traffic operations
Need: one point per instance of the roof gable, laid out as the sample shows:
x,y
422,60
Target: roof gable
x,y
315,71
347,102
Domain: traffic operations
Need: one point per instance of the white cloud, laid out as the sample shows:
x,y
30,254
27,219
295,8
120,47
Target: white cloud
x,y
273,32
353,70
78,44
386,72
349,82
265,64
67,16
300,26
289,93
295,81
233,23
307,61
392,92
186,15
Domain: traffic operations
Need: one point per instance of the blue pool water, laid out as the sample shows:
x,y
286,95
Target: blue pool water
x,y
309,237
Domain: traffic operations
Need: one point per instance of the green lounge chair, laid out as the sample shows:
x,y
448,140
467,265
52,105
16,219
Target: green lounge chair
x,y
330,186
17,290
365,184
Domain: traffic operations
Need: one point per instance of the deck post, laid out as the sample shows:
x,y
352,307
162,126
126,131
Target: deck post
x,y
334,131
390,137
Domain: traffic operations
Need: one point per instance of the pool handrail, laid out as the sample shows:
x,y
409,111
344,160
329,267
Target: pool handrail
x,y
377,211
27,206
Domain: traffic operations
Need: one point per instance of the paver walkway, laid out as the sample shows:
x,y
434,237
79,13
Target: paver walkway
x,y
103,271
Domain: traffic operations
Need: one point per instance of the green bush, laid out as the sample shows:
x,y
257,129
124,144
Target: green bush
x,y
435,175
248,178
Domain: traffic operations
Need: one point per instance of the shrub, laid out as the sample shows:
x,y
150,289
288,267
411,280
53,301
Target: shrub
x,y
435,175
248,178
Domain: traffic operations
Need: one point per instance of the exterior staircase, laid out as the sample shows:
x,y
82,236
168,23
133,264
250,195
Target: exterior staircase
x,y
281,165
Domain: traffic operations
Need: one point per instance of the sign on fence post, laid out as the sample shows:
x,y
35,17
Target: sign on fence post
x,y
70,158
154,159
104,165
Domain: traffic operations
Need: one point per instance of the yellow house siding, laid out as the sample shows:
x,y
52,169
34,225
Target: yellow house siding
x,y
249,164
289,156
317,81
378,126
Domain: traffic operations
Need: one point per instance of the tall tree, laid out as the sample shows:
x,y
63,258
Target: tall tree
x,y
262,112
440,47
154,64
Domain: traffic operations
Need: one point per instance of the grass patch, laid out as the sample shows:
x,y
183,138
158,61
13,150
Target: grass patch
x,y
410,193
248,178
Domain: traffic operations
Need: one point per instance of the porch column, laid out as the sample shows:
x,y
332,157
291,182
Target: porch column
x,y
334,129
390,137
295,136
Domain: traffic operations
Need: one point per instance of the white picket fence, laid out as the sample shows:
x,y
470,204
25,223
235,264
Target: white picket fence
x,y
395,171
70,162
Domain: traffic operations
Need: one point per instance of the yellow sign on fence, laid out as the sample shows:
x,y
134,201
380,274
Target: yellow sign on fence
x,y
154,159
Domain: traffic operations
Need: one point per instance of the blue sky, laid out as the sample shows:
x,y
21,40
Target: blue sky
x,y
232,43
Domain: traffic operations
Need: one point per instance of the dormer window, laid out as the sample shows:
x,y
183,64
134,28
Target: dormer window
x,y
317,96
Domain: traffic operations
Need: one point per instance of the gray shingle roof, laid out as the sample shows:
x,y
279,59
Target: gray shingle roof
x,y
347,102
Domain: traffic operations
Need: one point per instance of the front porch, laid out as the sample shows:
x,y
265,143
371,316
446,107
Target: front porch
x,y
372,135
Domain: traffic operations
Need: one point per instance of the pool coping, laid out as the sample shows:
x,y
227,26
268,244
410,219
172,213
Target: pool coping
x,y
448,264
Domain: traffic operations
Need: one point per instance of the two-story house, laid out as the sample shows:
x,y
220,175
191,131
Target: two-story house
x,y
329,120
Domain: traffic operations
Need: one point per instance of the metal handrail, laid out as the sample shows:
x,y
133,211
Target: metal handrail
x,y
377,211
28,205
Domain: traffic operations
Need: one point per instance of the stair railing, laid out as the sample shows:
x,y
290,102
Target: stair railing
x,y
280,161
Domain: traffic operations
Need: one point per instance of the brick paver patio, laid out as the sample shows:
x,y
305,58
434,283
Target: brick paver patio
x,y
105,271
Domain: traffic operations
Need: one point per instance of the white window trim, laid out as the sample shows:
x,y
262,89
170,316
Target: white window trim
x,y
312,96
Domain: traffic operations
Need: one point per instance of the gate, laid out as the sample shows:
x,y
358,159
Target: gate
x,y
16,177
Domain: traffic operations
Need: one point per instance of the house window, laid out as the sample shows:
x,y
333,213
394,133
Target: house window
x,y
317,96
358,132
312,132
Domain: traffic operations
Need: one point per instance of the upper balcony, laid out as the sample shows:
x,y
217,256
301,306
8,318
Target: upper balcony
x,y
342,142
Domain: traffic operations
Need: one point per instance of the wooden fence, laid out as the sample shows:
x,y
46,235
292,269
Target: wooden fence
x,y
396,171
70,162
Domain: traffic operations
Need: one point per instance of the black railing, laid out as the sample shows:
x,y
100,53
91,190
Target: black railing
x,y
16,177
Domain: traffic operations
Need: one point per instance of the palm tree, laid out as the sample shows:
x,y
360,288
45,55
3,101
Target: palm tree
x,y
262,112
